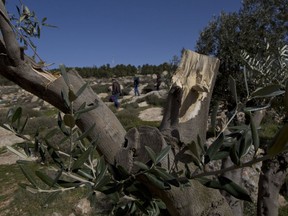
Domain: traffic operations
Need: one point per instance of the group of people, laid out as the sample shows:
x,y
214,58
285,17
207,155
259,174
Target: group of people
x,y
116,89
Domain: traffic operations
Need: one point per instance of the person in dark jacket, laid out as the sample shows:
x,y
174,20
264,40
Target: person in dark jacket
x,y
116,90
158,81
136,84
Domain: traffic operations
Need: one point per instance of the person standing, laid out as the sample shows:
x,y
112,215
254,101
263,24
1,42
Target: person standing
x,y
136,84
158,81
116,90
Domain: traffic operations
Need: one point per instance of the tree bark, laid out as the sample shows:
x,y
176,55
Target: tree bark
x,y
194,80
272,177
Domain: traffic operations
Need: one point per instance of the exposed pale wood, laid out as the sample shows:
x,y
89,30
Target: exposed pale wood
x,y
189,97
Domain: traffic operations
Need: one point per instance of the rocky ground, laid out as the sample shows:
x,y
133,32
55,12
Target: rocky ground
x,y
11,96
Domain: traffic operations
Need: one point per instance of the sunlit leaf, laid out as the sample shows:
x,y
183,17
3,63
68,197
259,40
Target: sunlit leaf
x,y
81,90
64,74
85,174
164,152
20,154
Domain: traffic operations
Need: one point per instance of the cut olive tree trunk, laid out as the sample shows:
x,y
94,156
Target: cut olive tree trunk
x,y
272,177
194,80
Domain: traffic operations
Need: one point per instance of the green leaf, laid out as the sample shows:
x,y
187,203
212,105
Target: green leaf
x,y
45,178
101,176
164,152
101,166
123,172
279,142
221,155
62,126
234,189
245,143
28,174
82,159
24,125
17,114
234,154
141,165
85,174
151,154
64,74
232,87
268,91
213,149
102,181
87,109
71,95
163,174
86,133
194,150
226,184
65,97
156,182
254,131
256,108
69,120
81,90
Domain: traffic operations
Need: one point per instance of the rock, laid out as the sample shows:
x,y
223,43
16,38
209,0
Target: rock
x,y
151,114
34,99
143,104
7,138
56,214
83,207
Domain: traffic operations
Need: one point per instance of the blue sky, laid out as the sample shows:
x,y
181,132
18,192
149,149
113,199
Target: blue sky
x,y
97,32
